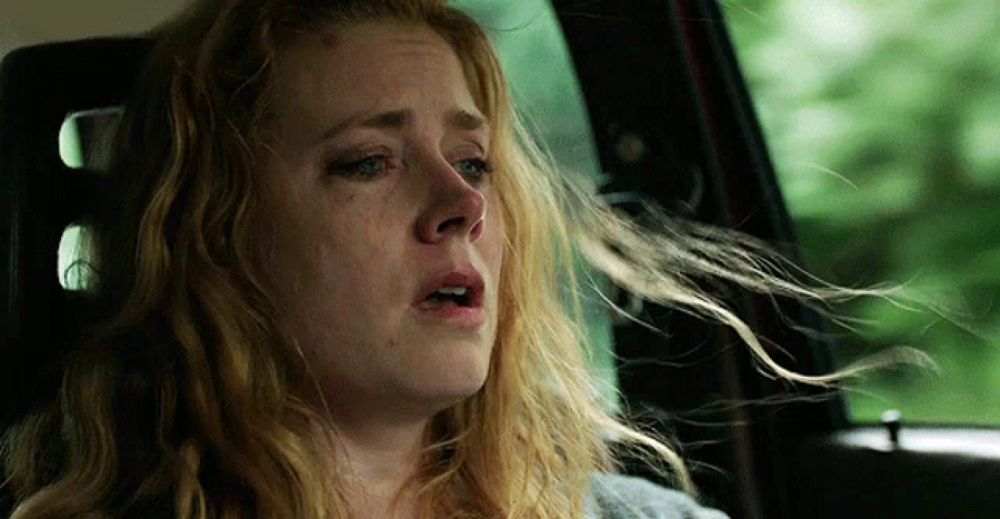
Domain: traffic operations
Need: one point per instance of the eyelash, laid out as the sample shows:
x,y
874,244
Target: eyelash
x,y
483,169
353,169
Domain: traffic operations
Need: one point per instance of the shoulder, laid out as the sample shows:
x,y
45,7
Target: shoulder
x,y
615,496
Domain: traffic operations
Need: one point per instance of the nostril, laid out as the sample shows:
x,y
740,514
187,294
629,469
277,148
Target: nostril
x,y
451,223
463,216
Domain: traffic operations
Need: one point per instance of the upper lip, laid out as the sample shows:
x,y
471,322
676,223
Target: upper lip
x,y
466,277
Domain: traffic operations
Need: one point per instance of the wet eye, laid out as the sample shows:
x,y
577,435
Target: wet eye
x,y
473,169
364,169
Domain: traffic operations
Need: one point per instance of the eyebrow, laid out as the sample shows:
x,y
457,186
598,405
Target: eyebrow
x,y
458,119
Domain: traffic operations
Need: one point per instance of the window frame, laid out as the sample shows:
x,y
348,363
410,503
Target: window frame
x,y
666,69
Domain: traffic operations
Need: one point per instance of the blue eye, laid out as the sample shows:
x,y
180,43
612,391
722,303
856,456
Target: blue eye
x,y
364,169
473,169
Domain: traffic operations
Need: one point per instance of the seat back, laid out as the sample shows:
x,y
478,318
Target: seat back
x,y
40,196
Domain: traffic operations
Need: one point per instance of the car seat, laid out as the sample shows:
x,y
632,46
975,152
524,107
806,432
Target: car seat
x,y
40,196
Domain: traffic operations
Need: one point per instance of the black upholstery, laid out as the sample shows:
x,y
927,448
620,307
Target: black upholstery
x,y
40,196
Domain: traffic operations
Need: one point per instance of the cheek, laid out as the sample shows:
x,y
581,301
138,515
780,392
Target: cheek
x,y
312,232
495,239
296,245
338,253
320,268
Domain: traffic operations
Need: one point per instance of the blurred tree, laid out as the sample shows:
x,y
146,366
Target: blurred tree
x,y
883,119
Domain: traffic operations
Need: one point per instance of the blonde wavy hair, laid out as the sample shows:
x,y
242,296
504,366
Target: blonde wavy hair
x,y
186,396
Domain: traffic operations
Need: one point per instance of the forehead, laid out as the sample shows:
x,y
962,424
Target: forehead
x,y
368,66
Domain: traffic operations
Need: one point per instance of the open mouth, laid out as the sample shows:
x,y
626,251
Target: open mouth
x,y
455,290
458,296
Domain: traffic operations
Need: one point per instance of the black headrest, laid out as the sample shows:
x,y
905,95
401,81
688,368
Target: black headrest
x,y
40,196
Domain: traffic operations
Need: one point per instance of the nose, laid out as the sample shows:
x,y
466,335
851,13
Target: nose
x,y
455,208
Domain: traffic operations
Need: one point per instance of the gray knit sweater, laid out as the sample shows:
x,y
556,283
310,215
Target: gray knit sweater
x,y
612,497
615,496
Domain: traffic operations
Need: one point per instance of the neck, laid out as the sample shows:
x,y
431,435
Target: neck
x,y
376,461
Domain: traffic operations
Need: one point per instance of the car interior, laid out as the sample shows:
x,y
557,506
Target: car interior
x,y
669,120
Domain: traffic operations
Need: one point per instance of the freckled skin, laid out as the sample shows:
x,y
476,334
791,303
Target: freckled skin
x,y
348,257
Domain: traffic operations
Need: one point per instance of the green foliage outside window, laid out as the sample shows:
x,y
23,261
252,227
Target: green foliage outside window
x,y
883,120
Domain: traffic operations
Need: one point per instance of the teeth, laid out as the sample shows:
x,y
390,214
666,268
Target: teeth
x,y
453,291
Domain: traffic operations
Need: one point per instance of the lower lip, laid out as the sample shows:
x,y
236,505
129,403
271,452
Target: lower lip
x,y
452,314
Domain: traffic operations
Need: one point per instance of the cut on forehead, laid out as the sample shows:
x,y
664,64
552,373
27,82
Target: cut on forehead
x,y
324,21
376,75
404,31
296,18
332,34
415,37
369,48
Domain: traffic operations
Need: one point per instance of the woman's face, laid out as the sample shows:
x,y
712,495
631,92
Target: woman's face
x,y
377,194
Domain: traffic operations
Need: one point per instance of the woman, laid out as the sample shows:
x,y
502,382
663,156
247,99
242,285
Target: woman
x,y
343,300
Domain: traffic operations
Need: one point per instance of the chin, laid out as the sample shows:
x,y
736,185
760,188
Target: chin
x,y
446,388
445,371
452,388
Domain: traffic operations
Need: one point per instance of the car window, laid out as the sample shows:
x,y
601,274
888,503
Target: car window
x,y
883,120
540,71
